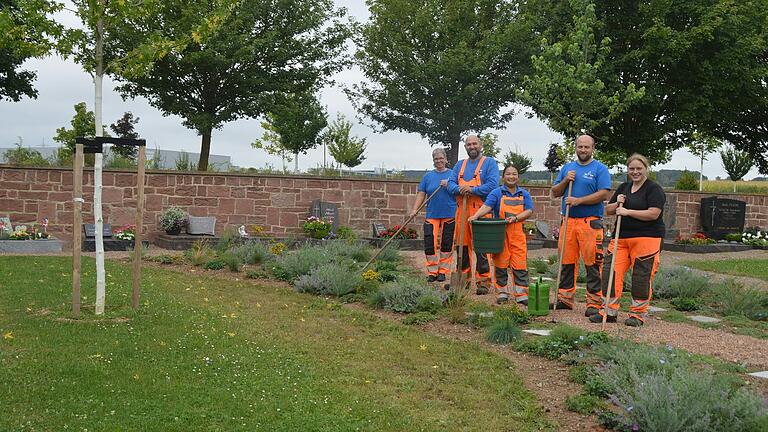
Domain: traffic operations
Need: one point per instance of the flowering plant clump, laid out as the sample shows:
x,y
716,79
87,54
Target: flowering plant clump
x,y
277,248
174,219
21,233
755,237
696,239
316,228
125,232
371,274
406,233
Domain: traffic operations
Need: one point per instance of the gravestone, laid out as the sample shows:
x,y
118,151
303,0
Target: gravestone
x,y
720,216
542,230
90,230
327,211
378,229
668,215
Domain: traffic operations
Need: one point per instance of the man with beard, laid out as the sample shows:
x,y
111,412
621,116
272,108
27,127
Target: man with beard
x,y
591,185
474,178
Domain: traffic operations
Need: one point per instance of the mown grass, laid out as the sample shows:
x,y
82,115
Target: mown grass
x,y
755,267
224,354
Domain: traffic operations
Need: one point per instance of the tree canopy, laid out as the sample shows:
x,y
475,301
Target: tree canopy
x,y
262,50
439,68
348,150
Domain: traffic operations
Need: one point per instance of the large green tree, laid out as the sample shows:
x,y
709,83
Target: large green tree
x,y
702,66
440,68
265,49
26,31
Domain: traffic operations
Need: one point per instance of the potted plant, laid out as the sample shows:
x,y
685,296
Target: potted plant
x,y
173,220
316,228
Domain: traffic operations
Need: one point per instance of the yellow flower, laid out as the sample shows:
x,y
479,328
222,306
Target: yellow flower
x,y
371,274
423,347
8,335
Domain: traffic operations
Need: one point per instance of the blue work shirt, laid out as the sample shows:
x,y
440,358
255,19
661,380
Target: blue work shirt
x,y
494,198
590,178
443,205
489,177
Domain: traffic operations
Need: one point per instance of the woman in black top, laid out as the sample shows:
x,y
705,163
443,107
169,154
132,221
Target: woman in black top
x,y
640,203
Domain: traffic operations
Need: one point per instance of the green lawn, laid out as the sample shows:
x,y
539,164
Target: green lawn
x,y
208,354
756,268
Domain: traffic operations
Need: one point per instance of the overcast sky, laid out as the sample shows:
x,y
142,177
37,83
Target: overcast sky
x,y
62,83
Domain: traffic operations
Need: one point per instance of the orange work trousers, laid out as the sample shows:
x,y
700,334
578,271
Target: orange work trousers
x,y
583,238
514,257
482,269
642,255
438,245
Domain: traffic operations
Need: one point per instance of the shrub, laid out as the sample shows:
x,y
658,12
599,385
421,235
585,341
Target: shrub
x,y
502,331
419,318
173,218
214,264
316,228
162,259
199,253
680,282
733,237
329,279
403,296
687,181
538,266
232,260
257,274
685,304
390,254
253,252
583,403
514,314
430,302
228,239
290,266
25,156
351,250
387,270
345,233
734,299
563,340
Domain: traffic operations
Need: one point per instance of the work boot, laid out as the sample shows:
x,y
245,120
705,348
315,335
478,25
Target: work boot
x,y
561,305
481,290
633,322
441,277
523,302
591,311
502,298
431,278
597,318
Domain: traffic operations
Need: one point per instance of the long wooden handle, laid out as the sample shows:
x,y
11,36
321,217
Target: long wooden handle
x,y
612,270
407,221
462,227
561,242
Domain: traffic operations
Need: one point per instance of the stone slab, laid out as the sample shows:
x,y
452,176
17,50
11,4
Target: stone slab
x,y
182,242
763,374
703,319
31,246
112,244
656,309
538,332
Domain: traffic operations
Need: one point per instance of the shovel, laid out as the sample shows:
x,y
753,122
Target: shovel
x,y
611,272
407,221
457,277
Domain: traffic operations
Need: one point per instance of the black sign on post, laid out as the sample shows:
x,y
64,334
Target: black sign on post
x,y
720,216
327,211
90,230
378,229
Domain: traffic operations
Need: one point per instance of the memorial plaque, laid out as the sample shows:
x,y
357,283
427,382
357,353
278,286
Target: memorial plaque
x,y
669,214
90,230
378,229
327,211
720,216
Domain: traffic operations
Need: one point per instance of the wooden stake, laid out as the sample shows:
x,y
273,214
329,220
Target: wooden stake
x,y
137,249
77,223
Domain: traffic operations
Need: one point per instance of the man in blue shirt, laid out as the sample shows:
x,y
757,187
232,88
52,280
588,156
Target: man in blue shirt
x,y
473,178
591,185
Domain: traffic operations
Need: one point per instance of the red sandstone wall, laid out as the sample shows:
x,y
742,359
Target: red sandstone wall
x,y
277,203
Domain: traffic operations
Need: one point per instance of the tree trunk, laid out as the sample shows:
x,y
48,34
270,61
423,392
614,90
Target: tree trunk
x,y
205,150
701,172
296,163
98,80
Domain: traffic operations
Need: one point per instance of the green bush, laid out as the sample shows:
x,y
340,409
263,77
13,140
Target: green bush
x,y
388,271
345,233
502,331
734,299
199,254
348,250
733,237
419,318
514,314
561,341
257,274
25,156
232,260
391,253
404,295
685,304
687,181
680,282
290,266
214,264
253,252
584,404
329,279
538,266
431,303
228,239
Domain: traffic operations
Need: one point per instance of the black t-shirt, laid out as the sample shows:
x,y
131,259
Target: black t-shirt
x,y
649,195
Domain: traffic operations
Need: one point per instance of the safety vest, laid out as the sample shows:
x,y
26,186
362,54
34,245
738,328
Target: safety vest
x,y
511,205
473,201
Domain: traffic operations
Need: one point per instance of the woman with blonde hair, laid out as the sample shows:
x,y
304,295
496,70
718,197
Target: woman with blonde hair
x,y
640,203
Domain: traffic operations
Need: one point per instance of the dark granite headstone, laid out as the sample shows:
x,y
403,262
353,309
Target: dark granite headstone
x,y
668,215
378,229
90,230
327,211
542,230
720,216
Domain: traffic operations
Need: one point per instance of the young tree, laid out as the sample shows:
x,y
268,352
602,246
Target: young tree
x,y
83,125
298,120
348,150
521,161
702,145
268,49
440,68
490,147
553,161
270,141
125,128
737,163
26,31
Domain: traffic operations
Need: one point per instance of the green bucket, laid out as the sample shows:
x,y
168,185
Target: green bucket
x,y
488,235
